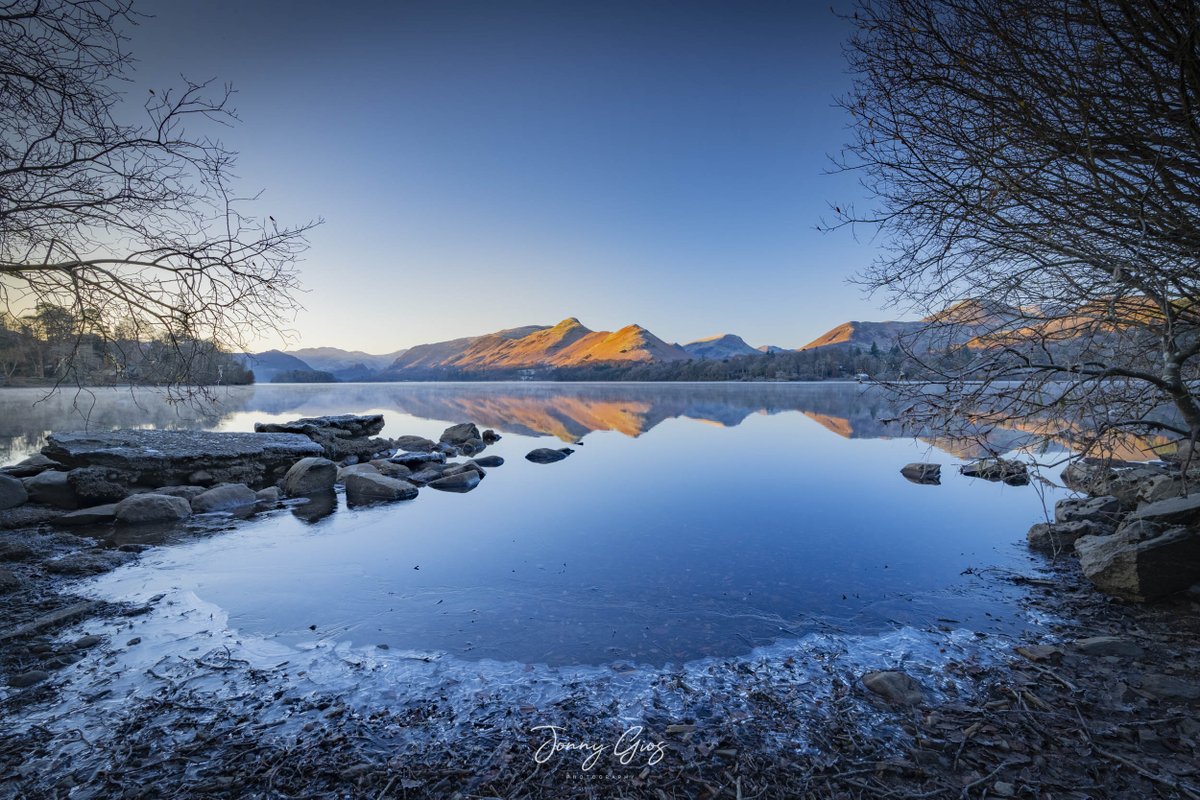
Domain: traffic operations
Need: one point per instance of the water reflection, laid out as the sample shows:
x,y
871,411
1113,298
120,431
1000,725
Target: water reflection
x,y
568,412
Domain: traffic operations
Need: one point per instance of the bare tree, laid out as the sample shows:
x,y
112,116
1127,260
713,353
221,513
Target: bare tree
x,y
121,213
1035,170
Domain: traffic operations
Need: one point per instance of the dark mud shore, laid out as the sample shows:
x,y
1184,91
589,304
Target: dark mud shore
x,y
1118,718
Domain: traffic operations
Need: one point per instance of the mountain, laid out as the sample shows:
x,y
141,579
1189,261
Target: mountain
x,y
566,344
334,359
268,363
770,348
720,346
865,334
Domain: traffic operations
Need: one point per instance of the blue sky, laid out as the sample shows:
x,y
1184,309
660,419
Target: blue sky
x,y
483,165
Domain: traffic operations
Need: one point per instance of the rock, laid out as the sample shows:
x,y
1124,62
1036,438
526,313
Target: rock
x,y
1164,487
1087,477
51,488
390,469
464,481
29,515
226,497
188,493
1004,789
1170,687
141,509
423,476
458,469
356,469
340,436
26,679
1039,652
1126,565
544,455
1128,483
95,515
16,551
895,687
268,496
88,562
1060,537
1109,646
418,444
470,447
417,460
1176,510
86,642
930,474
490,461
95,486
1104,511
365,487
12,492
32,466
9,582
490,436
165,457
446,449
309,476
1014,473
460,433
316,506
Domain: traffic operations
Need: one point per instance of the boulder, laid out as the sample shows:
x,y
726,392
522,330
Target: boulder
x,y
340,436
356,469
164,457
365,487
417,460
1060,537
490,461
12,492
1014,473
930,474
463,481
32,466
51,488
415,444
268,496
97,485
309,476
462,432
226,497
1176,510
140,509
1104,511
1141,561
188,493
391,469
490,436
95,515
544,455
895,687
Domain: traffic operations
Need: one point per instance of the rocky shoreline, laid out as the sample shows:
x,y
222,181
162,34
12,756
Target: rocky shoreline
x,y
1104,702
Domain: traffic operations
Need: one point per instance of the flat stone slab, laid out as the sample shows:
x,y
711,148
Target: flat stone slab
x,y
160,458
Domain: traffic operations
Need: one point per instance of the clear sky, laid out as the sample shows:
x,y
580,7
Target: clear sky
x,y
484,165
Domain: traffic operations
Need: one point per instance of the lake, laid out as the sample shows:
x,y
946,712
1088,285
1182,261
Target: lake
x,y
693,521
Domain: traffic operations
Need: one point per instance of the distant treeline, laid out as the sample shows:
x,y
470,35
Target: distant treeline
x,y
51,346
837,362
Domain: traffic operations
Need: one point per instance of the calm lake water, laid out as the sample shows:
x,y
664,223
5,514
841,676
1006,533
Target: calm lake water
x,y
694,520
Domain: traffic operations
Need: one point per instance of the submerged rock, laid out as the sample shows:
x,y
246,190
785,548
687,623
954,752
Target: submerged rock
x,y
929,474
226,497
895,687
268,496
544,455
490,461
161,457
12,492
310,476
143,509
365,487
